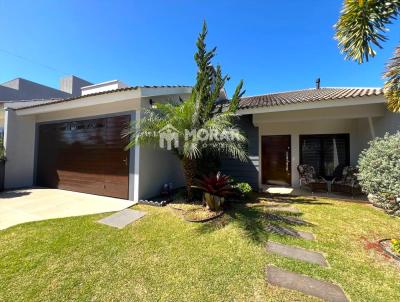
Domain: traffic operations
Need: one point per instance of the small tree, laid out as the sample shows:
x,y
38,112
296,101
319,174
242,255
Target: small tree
x,y
379,175
198,113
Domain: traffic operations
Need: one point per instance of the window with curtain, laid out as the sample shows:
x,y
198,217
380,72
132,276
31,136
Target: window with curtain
x,y
326,153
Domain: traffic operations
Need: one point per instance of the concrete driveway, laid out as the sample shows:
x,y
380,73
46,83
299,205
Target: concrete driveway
x,y
40,204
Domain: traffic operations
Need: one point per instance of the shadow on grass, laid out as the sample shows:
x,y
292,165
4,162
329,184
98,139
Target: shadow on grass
x,y
250,220
255,222
291,199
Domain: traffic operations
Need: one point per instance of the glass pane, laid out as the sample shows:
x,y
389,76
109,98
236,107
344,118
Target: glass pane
x,y
325,153
334,154
311,153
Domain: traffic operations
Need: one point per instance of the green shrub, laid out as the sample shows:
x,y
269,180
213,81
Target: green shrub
x,y
243,187
379,172
396,245
2,151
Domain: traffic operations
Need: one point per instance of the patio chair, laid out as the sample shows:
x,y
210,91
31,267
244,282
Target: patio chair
x,y
347,183
308,179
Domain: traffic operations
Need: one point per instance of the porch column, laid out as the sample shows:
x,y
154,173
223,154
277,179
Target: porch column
x,y
132,166
295,159
136,193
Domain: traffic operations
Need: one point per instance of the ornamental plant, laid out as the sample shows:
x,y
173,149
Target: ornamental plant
x,y
243,187
379,172
215,184
396,245
215,188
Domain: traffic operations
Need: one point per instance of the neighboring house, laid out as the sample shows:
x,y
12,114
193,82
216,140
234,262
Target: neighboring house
x,y
322,127
75,143
20,89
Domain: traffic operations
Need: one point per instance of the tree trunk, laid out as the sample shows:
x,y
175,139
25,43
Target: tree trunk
x,y
189,168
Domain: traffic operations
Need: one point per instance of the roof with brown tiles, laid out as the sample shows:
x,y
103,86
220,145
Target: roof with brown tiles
x,y
305,96
32,104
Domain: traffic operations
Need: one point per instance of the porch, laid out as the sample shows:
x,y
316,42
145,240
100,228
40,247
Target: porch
x,y
325,138
296,191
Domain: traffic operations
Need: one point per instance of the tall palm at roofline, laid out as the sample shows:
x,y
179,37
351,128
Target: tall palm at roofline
x,y
362,25
194,114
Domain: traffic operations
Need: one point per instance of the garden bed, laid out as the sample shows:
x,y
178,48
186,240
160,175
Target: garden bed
x,y
194,212
201,215
387,248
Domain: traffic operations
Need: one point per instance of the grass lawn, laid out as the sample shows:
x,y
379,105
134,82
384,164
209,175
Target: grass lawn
x,y
164,258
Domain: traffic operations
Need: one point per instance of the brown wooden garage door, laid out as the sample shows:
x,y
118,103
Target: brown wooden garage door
x,y
85,156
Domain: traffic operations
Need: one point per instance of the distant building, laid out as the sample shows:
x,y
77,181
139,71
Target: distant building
x,y
23,90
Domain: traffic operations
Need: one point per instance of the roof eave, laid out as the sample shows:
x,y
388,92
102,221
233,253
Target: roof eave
x,y
356,101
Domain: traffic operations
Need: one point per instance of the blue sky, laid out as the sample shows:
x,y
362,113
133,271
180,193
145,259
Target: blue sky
x,y
271,45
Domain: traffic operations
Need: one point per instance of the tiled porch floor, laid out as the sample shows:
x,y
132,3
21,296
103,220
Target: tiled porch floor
x,y
302,192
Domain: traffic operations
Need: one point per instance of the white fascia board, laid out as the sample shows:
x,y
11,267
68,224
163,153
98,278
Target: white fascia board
x,y
84,102
158,91
316,105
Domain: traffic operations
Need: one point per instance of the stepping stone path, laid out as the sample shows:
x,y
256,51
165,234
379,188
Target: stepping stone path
x,y
275,276
288,231
123,218
310,286
297,253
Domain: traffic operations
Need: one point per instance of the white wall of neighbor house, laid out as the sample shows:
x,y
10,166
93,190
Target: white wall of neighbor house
x,y
352,120
19,141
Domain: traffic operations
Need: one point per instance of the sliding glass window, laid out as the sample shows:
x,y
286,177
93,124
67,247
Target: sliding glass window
x,y
326,153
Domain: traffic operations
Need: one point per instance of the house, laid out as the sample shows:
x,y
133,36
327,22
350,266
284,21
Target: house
x,y
322,127
21,89
75,143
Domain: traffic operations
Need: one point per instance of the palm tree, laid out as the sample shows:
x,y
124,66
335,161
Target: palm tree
x,y
362,24
200,112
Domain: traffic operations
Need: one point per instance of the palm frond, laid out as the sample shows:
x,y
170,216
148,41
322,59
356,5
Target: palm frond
x,y
362,25
392,84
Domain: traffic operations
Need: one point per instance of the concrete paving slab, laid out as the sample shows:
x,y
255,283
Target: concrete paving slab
x,y
306,235
20,206
296,253
310,286
122,219
288,231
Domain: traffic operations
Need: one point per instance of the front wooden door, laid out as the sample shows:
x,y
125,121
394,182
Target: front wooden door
x,y
276,160
85,156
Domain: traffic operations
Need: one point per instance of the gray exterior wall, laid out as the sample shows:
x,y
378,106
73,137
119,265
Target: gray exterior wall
x,y
21,89
390,123
245,171
72,85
